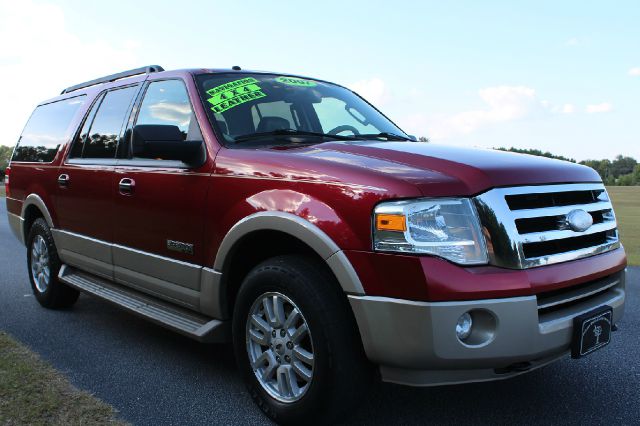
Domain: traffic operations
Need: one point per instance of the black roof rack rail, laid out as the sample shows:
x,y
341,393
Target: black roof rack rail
x,y
113,77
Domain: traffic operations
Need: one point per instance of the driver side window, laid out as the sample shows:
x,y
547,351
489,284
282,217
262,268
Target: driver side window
x,y
332,114
166,102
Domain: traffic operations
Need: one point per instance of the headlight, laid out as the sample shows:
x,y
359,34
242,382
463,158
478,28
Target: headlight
x,y
445,227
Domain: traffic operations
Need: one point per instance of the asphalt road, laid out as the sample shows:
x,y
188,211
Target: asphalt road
x,y
155,377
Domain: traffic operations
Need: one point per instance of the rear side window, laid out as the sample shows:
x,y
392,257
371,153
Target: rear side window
x,y
78,143
48,127
101,140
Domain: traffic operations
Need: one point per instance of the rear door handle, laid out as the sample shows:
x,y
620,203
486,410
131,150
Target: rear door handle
x,y
126,185
63,180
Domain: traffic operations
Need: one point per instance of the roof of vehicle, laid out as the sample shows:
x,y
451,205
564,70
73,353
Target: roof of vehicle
x,y
139,74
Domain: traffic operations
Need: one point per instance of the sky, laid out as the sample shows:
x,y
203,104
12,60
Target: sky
x,y
557,76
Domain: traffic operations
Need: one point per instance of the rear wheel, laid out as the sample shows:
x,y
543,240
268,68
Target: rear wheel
x,y
296,342
43,264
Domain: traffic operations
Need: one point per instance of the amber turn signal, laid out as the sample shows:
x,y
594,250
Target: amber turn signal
x,y
391,222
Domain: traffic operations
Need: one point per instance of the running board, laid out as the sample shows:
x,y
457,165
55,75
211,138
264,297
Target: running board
x,y
176,318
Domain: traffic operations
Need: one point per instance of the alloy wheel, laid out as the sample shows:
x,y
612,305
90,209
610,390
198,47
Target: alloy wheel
x,y
279,346
40,268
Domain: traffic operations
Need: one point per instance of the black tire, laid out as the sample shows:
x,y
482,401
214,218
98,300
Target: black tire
x,y
56,295
341,372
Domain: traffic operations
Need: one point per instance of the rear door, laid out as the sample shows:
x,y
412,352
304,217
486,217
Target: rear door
x,y
159,208
35,160
87,186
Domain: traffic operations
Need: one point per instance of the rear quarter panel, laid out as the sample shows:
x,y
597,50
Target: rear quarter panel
x,y
32,178
41,178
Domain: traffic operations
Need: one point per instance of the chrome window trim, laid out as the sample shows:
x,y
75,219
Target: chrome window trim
x,y
150,163
91,161
506,243
125,163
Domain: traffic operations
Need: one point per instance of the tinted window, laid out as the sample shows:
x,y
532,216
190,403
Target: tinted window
x,y
273,109
166,102
48,127
78,143
103,136
333,113
254,109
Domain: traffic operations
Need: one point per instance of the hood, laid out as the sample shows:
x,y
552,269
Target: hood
x,y
448,170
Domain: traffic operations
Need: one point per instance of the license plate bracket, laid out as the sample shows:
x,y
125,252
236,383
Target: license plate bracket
x,y
591,331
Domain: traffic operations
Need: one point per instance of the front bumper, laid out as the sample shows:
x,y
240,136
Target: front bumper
x,y
415,342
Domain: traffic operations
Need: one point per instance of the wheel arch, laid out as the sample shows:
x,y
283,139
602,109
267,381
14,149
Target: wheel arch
x,y
34,207
285,233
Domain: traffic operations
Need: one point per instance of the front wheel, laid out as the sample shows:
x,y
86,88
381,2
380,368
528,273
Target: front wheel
x,y
280,347
296,342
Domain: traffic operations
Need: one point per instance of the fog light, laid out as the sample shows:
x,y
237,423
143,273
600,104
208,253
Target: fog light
x,y
463,327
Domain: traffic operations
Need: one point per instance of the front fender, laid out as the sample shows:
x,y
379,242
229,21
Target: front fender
x,y
301,229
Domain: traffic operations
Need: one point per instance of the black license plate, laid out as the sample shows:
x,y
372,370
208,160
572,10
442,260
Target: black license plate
x,y
591,331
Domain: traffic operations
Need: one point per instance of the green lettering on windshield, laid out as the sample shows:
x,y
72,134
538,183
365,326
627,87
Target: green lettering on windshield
x,y
230,85
234,93
292,81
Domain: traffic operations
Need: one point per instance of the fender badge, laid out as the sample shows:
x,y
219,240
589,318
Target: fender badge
x,y
180,247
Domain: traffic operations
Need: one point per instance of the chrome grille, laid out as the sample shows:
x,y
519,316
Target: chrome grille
x,y
527,226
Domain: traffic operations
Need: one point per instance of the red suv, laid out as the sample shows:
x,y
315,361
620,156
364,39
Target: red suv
x,y
292,217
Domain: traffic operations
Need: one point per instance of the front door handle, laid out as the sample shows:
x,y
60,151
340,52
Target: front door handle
x,y
63,180
126,185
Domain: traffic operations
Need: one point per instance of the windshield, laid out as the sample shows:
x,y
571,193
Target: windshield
x,y
267,109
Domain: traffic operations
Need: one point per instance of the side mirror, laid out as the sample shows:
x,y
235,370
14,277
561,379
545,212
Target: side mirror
x,y
158,141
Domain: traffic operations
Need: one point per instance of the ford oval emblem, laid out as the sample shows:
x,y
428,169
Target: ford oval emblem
x,y
579,220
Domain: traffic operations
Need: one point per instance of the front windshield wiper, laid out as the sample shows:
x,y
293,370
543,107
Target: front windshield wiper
x,y
388,136
291,132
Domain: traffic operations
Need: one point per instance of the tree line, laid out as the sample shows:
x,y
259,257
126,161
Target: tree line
x,y
621,171
5,156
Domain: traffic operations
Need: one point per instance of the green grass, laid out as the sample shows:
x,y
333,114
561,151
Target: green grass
x,y
1,189
626,202
33,393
